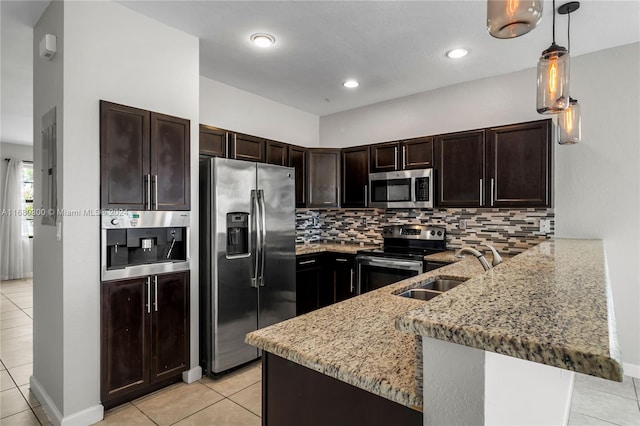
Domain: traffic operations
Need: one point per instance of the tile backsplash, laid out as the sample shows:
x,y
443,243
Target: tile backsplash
x,y
510,231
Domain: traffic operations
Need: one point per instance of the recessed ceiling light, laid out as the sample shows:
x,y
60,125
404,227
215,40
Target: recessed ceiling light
x,y
263,40
351,84
457,53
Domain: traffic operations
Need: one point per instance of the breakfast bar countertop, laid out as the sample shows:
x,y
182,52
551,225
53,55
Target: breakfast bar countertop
x,y
531,307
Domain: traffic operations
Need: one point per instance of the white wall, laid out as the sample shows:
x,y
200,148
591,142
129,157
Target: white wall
x,y
234,109
597,185
115,54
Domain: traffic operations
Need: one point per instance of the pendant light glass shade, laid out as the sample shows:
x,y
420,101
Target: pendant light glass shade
x,y
553,80
512,18
569,128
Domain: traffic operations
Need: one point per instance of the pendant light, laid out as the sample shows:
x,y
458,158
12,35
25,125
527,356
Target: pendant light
x,y
569,125
512,18
553,77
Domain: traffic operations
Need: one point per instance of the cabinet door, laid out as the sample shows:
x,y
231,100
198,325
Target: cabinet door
x,y
170,162
323,179
308,281
384,157
519,160
417,153
213,141
245,147
460,169
276,153
124,339
124,156
298,160
344,276
355,176
170,325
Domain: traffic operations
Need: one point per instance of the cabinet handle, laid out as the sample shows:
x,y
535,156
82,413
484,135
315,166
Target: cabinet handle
x,y
395,158
235,146
366,195
155,191
481,193
307,262
341,260
148,295
404,157
155,293
148,192
352,287
492,192
226,144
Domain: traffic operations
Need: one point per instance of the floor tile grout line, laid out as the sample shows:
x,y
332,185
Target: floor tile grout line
x,y
596,417
240,405
202,409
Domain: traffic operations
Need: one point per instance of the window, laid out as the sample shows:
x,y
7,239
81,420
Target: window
x,y
27,190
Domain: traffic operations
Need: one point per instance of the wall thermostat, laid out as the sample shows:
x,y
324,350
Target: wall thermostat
x,y
48,46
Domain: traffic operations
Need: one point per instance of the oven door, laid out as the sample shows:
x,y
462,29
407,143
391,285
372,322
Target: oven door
x,y
377,272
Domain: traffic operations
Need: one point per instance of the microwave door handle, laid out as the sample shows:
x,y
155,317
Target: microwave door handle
x,y
256,247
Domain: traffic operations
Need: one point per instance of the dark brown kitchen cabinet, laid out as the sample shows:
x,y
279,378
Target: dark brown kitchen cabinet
x,y
144,159
344,276
144,335
519,165
355,176
460,169
213,141
323,178
309,280
276,153
298,160
245,147
409,154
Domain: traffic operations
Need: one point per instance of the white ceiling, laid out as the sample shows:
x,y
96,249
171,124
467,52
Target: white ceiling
x,y
394,48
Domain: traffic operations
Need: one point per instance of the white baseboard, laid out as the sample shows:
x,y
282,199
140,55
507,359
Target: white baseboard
x,y
192,375
632,370
87,416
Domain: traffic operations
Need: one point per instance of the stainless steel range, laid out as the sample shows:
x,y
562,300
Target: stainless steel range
x,y
402,256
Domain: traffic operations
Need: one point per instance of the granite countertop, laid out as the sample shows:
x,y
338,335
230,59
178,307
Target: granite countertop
x,y
532,307
331,247
551,304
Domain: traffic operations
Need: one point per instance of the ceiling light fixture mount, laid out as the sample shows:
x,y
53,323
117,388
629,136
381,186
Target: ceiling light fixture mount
x,y
457,53
263,39
512,18
351,84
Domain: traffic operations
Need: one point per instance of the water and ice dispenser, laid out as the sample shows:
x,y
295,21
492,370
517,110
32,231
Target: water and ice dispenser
x,y
144,242
237,234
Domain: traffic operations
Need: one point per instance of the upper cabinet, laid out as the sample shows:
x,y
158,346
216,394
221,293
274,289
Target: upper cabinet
x,y
409,154
276,153
323,177
460,169
298,160
213,141
519,165
245,147
355,176
144,159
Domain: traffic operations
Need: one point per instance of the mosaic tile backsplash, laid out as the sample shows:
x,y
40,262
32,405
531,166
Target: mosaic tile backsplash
x,y
510,231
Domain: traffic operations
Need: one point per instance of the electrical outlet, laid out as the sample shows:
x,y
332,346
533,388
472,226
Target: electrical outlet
x,y
545,226
462,224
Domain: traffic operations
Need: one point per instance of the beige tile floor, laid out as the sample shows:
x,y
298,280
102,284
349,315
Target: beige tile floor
x,y
234,399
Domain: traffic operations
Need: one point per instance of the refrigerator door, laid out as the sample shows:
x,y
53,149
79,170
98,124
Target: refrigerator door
x,y
233,297
277,290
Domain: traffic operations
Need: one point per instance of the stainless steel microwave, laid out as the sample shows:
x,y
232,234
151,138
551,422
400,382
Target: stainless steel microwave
x,y
402,189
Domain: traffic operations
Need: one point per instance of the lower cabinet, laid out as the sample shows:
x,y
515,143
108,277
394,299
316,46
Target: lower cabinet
x,y
144,335
323,279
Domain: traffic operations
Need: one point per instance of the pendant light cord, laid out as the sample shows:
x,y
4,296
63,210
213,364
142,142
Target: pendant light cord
x,y
554,22
569,33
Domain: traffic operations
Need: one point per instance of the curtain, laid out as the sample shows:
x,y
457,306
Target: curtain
x,y
11,239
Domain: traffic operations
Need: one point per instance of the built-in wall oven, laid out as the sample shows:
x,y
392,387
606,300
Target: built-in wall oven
x,y
402,256
139,243
402,189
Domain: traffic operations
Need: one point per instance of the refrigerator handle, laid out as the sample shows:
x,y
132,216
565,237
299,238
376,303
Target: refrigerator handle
x,y
263,239
256,248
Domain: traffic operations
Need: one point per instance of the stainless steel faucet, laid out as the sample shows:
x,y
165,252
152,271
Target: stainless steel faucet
x,y
477,254
496,256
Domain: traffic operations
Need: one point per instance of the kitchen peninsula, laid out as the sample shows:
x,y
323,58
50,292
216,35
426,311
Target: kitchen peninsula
x,y
550,305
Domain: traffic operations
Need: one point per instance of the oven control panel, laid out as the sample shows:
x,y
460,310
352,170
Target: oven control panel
x,y
417,232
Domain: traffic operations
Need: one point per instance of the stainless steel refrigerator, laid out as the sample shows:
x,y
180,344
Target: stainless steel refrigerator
x,y
247,256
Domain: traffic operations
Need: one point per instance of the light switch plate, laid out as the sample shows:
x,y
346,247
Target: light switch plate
x,y
545,226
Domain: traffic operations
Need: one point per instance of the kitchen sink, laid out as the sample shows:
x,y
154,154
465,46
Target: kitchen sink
x,y
431,288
